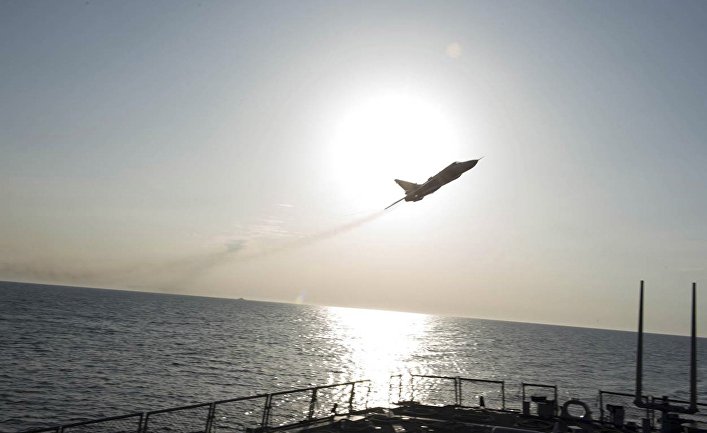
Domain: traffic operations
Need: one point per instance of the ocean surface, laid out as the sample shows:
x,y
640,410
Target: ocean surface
x,y
71,354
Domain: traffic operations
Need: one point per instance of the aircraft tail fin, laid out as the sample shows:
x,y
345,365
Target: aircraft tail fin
x,y
407,186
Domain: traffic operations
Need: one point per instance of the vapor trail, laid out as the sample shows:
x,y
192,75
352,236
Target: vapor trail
x,y
175,273
184,271
313,238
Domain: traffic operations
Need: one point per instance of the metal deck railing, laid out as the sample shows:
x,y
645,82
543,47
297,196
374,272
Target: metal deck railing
x,y
256,413
285,409
466,392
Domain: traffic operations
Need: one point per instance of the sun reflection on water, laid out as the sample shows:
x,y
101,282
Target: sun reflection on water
x,y
378,345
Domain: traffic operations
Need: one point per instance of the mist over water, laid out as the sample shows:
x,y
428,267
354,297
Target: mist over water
x,y
72,354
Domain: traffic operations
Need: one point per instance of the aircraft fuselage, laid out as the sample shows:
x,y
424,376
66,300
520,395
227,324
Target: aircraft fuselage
x,y
450,173
416,192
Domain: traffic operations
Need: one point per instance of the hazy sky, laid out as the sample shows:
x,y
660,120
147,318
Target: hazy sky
x,y
243,149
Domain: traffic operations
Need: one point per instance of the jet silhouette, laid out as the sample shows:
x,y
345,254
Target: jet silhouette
x,y
416,192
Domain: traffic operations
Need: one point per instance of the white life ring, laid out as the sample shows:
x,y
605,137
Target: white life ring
x,y
586,416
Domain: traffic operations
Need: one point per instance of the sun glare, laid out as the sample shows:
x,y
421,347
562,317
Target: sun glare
x,y
387,137
381,343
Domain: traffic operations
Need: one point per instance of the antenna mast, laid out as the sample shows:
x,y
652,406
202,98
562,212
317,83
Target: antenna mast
x,y
670,423
638,400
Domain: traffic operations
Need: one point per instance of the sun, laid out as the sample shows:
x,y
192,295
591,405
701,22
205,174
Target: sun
x,y
389,136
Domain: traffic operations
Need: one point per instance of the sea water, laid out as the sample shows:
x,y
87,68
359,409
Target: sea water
x,y
71,354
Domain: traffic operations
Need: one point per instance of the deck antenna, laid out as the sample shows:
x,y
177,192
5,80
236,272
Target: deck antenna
x,y
639,353
670,423
693,353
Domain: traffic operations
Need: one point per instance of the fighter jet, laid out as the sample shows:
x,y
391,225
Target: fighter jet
x,y
416,192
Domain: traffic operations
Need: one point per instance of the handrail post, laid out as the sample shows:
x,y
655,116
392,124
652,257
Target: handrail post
x,y
557,403
503,395
141,426
210,417
145,423
391,389
400,389
352,396
266,413
312,404
368,394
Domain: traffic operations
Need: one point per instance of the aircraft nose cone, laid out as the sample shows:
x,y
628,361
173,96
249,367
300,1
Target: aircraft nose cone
x,y
468,165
